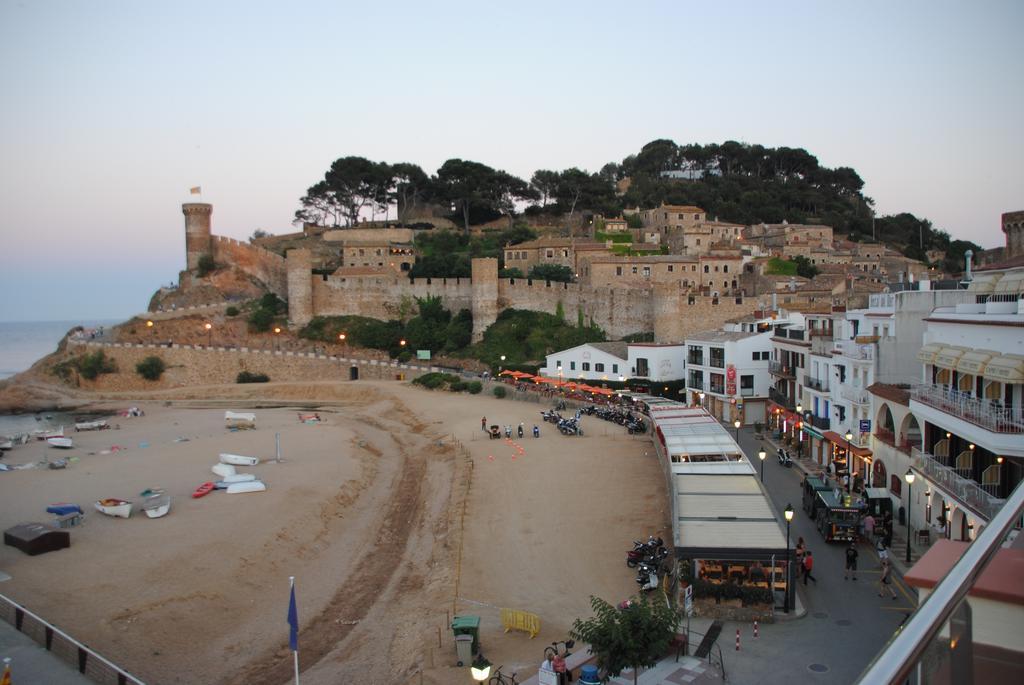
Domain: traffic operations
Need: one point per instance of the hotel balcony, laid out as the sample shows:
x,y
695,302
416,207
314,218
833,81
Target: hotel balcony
x,y
851,350
968,491
779,369
781,399
822,422
855,395
982,421
819,384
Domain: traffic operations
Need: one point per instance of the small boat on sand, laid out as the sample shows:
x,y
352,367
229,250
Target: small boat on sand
x,y
223,470
114,507
239,478
62,443
249,486
203,490
91,425
47,433
6,445
238,460
157,505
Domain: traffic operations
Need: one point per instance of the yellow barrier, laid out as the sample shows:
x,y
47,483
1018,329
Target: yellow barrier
x,y
513,619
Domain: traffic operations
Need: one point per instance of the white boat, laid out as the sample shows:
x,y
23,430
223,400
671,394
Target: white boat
x,y
63,443
6,444
249,486
47,433
223,470
114,507
91,425
238,460
156,506
238,478
234,419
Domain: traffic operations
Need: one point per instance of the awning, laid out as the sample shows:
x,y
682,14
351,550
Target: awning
x,y
974,361
926,355
1006,368
837,439
810,430
983,283
948,356
1012,282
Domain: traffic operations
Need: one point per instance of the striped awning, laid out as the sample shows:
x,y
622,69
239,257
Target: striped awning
x,y
983,283
926,355
974,361
1012,282
1006,368
949,355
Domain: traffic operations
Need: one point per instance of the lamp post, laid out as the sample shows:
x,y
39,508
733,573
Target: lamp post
x,y
149,325
849,462
277,339
789,565
700,396
209,334
909,477
736,423
341,339
480,668
501,366
799,439
761,455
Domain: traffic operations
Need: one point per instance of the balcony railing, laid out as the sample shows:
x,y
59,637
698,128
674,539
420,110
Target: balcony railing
x,y
855,395
697,359
968,491
718,389
850,349
781,399
717,362
885,436
981,412
779,369
822,422
819,384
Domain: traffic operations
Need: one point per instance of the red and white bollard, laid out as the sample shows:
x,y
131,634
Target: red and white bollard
x,y
755,630
737,639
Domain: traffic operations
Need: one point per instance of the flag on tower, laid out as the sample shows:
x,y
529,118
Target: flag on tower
x,y
197,190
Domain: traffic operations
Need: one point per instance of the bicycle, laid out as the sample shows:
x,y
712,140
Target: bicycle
x,y
500,678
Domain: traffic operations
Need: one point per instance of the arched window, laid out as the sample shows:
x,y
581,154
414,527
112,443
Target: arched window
x,y
895,485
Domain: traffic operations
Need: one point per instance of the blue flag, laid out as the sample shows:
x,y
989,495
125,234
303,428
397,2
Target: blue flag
x,y
293,623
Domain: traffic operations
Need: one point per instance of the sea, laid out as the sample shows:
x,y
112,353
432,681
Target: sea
x,y
22,343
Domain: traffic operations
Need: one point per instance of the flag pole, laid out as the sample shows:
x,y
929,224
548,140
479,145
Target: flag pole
x,y
294,628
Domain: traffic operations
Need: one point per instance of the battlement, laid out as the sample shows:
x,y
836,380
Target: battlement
x,y
203,208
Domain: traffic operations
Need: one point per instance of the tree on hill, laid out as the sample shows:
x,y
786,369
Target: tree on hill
x,y
412,187
468,185
551,272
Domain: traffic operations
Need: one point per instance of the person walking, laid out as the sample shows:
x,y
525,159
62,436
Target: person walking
x,y
869,527
483,424
536,431
520,429
808,566
883,551
851,561
885,580
801,549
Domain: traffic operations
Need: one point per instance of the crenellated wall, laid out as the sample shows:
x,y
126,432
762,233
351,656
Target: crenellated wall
x,y
264,265
385,297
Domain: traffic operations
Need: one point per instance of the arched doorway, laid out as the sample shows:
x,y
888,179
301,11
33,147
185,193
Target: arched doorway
x,y
878,474
885,428
958,529
910,434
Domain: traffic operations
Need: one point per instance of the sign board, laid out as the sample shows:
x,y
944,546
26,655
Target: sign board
x,y
423,354
730,380
865,425
546,677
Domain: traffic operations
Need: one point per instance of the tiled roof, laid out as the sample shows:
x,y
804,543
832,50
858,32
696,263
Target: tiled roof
x,y
891,392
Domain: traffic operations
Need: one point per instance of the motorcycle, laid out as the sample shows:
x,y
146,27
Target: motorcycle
x,y
647,577
784,458
648,552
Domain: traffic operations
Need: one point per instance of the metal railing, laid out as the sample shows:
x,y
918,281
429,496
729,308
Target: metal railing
x,y
850,349
967,490
779,369
854,395
822,422
781,399
981,412
904,657
819,384
68,649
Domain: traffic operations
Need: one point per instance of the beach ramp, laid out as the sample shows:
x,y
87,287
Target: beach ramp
x,y
239,420
36,538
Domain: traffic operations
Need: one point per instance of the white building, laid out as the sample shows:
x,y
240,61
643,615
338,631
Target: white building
x,y
617,361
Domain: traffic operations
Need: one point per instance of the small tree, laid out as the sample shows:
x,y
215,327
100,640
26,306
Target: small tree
x,y
206,265
634,635
499,392
151,368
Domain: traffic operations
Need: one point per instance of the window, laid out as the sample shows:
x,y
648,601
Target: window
x,y
707,269
895,484
586,366
551,253
698,242
618,271
598,367
695,355
747,386
725,269
634,269
641,367
693,267
565,253
558,365
671,268
572,366
718,383
647,272
840,413
716,268
756,356
696,380
718,357
615,368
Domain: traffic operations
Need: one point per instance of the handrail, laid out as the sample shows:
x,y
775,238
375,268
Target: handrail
x,y
903,652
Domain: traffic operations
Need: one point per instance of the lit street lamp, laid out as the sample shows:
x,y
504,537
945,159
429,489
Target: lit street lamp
x,y
909,477
761,455
501,366
480,669
789,565
737,424
277,339
700,395
849,462
209,334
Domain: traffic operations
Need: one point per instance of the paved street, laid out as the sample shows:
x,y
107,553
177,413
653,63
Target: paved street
x,y
847,623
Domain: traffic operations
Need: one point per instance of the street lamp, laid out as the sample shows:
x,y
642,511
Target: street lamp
x,y
761,455
502,364
700,396
799,439
736,423
480,669
909,477
209,333
149,325
789,566
849,462
277,340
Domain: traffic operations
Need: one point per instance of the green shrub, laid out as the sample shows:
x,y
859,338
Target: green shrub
x,y
261,320
205,266
475,387
151,368
431,381
231,311
247,377
500,392
92,365
457,386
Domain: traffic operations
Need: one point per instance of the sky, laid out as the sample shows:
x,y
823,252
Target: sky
x,y
112,110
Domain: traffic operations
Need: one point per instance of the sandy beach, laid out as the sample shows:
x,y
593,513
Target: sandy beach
x,y
392,513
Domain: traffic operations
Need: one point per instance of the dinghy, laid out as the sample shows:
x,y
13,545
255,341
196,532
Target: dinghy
x,y
250,486
47,433
157,505
114,507
223,470
63,443
239,478
203,490
91,425
239,460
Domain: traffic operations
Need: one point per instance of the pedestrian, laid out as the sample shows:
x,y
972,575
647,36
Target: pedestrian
x,y
883,550
520,429
558,665
808,566
884,581
546,665
869,527
536,431
851,561
801,548
508,430
483,424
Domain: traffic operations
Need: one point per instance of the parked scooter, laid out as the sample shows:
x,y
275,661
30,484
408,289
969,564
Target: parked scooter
x,y
784,458
647,577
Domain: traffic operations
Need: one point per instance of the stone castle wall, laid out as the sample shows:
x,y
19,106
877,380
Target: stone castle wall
x,y
258,262
385,297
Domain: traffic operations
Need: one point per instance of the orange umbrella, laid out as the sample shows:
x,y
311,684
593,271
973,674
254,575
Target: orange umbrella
x,y
506,372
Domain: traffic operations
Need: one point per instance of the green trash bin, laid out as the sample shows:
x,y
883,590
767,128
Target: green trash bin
x,y
468,625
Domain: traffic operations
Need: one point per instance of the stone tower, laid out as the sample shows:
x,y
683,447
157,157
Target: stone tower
x,y
485,295
1013,227
197,232
299,264
666,303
